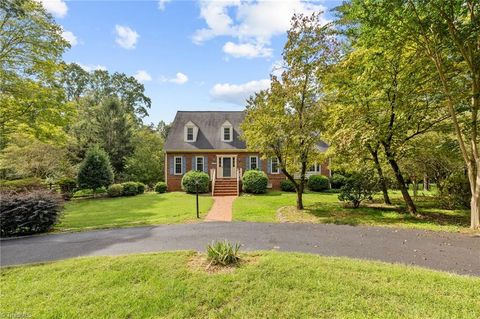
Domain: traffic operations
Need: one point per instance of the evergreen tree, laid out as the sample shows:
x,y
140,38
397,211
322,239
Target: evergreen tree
x,y
95,170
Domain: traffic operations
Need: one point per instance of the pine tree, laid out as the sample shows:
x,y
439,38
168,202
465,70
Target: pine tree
x,y
95,170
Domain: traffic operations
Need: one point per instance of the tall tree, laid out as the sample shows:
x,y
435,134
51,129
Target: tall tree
x,y
286,120
31,47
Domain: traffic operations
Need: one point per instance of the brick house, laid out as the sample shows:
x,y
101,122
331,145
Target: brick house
x,y
209,141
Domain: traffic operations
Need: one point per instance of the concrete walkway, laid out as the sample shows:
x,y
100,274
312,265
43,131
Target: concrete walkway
x,y
221,210
458,253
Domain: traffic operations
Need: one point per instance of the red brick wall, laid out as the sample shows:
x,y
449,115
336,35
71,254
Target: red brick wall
x,y
174,181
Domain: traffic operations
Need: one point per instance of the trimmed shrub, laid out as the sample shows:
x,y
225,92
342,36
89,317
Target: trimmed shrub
x,y
161,187
358,187
318,183
140,188
67,187
95,170
338,181
115,190
23,185
28,213
254,181
287,186
87,192
455,192
223,253
129,189
189,179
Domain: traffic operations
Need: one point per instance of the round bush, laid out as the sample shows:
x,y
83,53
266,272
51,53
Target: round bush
x,y
338,181
28,213
115,190
318,183
140,188
161,187
287,186
189,179
254,182
129,189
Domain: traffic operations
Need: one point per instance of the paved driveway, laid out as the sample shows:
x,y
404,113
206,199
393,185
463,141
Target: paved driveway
x,y
438,250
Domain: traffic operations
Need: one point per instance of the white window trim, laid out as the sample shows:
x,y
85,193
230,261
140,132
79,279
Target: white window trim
x,y
318,168
250,162
175,165
185,132
222,131
271,166
196,163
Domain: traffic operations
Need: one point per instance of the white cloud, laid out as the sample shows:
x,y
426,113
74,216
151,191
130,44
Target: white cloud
x,y
162,3
142,76
70,37
57,8
126,37
91,67
250,22
246,50
237,93
179,78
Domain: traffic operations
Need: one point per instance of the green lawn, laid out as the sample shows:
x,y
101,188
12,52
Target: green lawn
x,y
325,208
146,209
271,285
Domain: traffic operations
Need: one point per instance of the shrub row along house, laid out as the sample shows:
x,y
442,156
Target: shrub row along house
x,y
210,141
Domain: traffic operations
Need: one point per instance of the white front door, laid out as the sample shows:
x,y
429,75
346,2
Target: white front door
x,y
226,166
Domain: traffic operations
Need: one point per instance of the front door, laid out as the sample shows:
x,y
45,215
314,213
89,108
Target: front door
x,y
226,166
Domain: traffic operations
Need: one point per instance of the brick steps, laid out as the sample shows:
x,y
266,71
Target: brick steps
x,y
225,187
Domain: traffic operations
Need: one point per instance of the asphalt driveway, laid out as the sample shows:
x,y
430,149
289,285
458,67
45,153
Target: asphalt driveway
x,y
458,253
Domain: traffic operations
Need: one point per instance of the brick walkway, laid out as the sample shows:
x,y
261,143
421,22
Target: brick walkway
x,y
221,209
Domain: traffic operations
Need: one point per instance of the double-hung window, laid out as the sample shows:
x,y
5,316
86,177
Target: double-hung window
x,y
177,165
227,133
199,163
275,165
253,162
189,134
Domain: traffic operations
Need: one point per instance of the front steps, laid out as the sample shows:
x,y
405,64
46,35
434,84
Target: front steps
x,y
225,187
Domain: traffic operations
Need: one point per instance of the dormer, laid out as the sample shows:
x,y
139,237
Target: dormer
x,y
227,132
190,132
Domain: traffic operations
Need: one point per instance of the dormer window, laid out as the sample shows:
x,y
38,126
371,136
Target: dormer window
x,y
190,132
227,132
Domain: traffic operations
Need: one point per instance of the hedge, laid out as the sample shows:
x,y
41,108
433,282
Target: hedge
x,y
161,187
287,186
23,185
254,181
28,213
115,190
318,183
189,179
130,189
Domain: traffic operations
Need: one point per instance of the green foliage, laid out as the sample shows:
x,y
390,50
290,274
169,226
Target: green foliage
x,y
88,192
287,186
161,187
115,190
140,188
95,171
28,213
130,189
337,181
455,192
67,187
146,162
191,178
254,181
23,185
318,183
223,253
358,187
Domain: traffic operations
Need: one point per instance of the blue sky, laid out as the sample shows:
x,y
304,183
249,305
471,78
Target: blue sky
x,y
190,55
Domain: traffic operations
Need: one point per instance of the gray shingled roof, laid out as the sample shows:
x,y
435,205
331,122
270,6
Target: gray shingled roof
x,y
209,130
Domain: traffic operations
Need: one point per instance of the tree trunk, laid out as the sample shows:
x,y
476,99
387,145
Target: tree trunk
x,y
426,183
300,196
401,181
383,182
474,179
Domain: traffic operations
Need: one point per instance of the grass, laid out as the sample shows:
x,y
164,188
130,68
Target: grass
x,y
145,209
325,208
274,285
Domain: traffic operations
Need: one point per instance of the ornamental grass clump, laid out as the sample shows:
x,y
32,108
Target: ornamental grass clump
x,y
223,253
